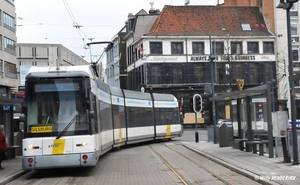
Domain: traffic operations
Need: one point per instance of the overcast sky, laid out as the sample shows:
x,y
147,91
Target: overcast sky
x,y
41,21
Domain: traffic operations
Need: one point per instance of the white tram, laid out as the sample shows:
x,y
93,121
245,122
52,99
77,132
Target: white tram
x,y
72,118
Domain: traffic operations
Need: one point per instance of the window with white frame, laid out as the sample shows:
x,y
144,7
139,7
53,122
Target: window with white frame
x,y
236,48
268,47
246,26
253,47
10,68
294,28
9,44
156,48
294,7
198,48
176,48
218,48
295,52
9,20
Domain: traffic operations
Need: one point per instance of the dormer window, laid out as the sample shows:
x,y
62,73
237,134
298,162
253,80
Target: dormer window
x,y
246,27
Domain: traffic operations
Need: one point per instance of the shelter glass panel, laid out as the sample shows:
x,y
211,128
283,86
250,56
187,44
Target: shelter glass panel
x,y
259,118
243,116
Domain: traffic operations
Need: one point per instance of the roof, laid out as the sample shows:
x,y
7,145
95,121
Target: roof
x,y
209,20
254,91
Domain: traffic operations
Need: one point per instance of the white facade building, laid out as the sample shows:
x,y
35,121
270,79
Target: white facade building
x,y
29,54
8,40
282,50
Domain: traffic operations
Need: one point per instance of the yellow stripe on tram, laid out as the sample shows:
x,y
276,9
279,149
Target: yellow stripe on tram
x,y
168,134
120,137
58,146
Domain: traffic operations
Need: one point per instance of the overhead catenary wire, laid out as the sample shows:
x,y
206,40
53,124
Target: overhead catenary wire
x,y
75,24
69,10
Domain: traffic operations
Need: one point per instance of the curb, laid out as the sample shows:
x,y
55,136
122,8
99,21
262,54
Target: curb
x,y
12,177
234,168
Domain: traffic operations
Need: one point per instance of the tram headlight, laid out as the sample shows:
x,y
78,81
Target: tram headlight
x,y
82,144
31,147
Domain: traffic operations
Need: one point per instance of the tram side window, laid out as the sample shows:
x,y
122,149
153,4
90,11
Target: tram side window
x,y
149,116
119,116
105,116
94,121
160,117
139,116
166,116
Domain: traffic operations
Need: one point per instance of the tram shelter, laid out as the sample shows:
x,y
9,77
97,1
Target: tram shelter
x,y
10,106
244,112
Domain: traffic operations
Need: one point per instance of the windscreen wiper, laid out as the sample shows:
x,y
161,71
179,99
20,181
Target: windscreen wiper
x,y
66,128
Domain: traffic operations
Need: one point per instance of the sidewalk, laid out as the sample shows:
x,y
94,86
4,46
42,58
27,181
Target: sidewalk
x,y
13,169
260,168
245,163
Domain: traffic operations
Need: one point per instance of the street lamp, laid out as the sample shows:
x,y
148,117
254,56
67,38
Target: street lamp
x,y
229,61
287,6
272,82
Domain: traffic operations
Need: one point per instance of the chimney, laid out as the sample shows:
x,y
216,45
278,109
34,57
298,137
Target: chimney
x,y
130,16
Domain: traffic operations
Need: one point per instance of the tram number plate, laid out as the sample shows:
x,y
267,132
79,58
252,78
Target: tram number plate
x,y
42,129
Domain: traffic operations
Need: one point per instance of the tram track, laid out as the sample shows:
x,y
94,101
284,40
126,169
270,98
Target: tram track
x,y
221,173
202,166
180,177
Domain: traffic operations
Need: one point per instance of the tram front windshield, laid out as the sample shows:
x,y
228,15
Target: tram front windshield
x,y
55,106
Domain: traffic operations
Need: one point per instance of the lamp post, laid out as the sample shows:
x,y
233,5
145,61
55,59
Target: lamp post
x,y
211,59
227,50
272,82
287,6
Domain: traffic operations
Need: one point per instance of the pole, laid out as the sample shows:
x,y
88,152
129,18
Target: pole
x,y
229,61
197,100
292,88
273,96
212,57
196,132
273,110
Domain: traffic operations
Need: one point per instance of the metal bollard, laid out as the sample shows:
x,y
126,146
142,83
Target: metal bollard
x,y
196,136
